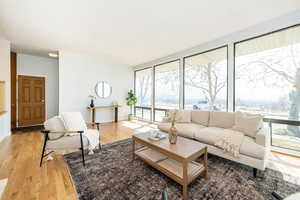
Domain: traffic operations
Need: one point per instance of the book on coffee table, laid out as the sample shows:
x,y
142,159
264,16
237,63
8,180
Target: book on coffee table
x,y
157,136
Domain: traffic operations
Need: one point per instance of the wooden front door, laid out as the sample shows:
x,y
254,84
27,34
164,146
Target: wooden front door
x,y
31,100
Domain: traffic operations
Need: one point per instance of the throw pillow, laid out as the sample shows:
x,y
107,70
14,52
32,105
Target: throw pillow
x,y
54,124
248,123
183,116
200,117
221,119
74,121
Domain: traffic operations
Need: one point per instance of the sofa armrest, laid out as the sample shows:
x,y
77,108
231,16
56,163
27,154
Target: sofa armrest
x,y
263,137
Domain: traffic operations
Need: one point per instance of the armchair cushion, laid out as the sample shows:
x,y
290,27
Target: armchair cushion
x,y
67,143
73,121
54,124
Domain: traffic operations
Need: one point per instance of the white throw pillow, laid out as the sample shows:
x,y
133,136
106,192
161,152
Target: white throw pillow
x,y
183,116
200,117
54,124
74,121
248,123
221,119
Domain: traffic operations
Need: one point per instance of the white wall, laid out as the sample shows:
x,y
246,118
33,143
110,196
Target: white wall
x,y
5,76
78,75
45,67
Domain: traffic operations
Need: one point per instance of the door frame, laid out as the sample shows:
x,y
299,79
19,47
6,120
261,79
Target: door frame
x,y
14,94
17,99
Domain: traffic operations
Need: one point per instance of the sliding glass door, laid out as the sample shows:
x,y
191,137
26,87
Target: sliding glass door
x,y
205,80
166,88
143,91
267,81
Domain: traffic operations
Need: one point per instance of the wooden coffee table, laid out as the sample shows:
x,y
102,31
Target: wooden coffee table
x,y
177,161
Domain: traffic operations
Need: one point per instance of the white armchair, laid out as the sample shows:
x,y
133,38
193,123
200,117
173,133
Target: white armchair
x,y
67,132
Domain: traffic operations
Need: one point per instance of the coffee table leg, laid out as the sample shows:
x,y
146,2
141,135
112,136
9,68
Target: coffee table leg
x,y
133,149
185,182
206,164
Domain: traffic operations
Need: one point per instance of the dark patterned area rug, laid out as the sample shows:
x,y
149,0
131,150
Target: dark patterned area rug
x,y
110,174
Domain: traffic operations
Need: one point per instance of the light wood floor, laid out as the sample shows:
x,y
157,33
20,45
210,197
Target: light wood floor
x,y
19,165
23,179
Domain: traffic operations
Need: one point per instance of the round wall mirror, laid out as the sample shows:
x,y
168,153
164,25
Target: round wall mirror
x,y
103,89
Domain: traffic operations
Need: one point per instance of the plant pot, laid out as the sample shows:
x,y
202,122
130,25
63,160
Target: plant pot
x,y
173,135
130,117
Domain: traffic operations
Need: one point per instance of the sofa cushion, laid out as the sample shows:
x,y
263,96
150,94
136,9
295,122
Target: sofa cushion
x,y
73,121
187,130
209,135
200,117
221,119
54,124
248,123
252,149
67,143
183,116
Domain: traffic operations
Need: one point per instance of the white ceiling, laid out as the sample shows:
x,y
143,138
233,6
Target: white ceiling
x,y
129,31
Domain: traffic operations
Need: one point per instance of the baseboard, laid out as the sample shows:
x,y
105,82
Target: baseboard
x,y
27,128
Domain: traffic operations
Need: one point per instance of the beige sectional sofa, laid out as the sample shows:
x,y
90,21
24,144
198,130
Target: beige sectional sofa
x,y
208,126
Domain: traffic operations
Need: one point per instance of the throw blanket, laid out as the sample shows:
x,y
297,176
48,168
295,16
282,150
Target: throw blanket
x,y
93,140
230,142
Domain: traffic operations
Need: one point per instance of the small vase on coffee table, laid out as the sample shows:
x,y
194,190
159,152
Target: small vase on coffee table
x,y
173,134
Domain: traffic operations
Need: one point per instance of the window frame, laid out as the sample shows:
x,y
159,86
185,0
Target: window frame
x,y
134,88
227,67
245,40
154,84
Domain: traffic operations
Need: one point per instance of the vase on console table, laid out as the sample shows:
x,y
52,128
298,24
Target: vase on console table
x,y
92,103
92,97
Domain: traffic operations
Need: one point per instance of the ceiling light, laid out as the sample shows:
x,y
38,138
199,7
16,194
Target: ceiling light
x,y
53,55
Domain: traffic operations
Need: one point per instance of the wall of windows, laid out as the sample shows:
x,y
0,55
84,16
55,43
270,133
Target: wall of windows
x,y
205,80
166,88
256,75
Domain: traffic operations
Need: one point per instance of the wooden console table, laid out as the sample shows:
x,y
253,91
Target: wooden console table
x,y
93,110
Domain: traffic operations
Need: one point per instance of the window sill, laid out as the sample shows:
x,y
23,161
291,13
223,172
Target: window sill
x,y
285,151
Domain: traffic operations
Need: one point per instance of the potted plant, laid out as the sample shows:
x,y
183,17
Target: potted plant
x,y
130,101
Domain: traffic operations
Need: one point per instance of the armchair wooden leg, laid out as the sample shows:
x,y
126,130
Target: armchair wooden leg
x,y
44,147
82,149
